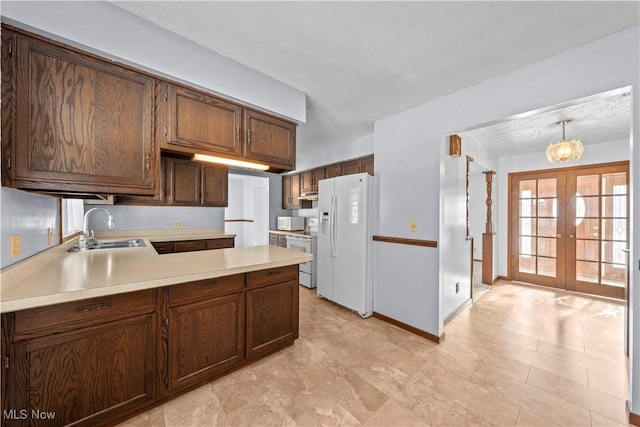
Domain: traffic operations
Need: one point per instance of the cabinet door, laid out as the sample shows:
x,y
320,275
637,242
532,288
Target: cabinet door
x,y
81,124
270,140
200,122
286,192
351,167
159,196
163,247
215,182
190,245
318,174
205,338
306,181
295,192
273,239
272,317
182,180
332,171
88,375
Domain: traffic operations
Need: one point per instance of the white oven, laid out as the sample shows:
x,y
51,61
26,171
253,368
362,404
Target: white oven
x,y
308,244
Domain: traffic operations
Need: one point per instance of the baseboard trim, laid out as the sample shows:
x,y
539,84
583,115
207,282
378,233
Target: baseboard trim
x,y
431,337
500,278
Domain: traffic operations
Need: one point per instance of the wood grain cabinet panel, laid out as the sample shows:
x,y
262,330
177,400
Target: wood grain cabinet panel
x,y
222,243
270,140
190,245
351,167
205,338
82,124
306,181
368,165
318,174
194,121
215,183
272,317
182,181
331,171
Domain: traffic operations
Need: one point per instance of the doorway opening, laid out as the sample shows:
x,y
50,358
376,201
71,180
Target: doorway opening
x,y
247,214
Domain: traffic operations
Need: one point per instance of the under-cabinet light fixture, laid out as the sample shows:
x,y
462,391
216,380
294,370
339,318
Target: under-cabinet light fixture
x,y
229,162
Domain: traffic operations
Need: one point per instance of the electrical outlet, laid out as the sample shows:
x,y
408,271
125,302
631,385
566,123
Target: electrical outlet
x,y
457,287
50,235
16,245
413,225
176,223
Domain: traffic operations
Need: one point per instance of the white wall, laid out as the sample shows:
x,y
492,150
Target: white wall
x,y
107,30
335,152
417,181
593,153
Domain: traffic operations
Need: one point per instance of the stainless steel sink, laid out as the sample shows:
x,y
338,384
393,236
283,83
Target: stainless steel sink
x,y
130,243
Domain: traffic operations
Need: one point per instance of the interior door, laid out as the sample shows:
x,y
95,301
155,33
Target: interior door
x,y
569,228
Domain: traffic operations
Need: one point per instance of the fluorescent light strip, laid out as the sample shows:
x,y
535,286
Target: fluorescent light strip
x,y
229,162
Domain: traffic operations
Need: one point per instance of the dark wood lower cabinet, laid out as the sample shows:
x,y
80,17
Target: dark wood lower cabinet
x,y
205,337
272,317
99,361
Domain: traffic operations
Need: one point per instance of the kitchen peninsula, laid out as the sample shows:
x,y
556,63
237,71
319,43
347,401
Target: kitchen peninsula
x,y
99,335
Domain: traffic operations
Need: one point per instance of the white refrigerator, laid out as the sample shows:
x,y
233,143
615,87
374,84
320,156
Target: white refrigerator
x,y
345,271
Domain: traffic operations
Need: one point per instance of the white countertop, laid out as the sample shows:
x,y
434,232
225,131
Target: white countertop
x,y
57,275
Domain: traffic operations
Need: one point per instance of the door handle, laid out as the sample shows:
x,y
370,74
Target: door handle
x,y
571,236
559,236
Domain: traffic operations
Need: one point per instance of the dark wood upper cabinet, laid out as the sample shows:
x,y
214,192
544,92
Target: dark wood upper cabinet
x,y
215,183
318,174
368,165
193,121
332,171
306,182
270,140
74,122
351,167
182,179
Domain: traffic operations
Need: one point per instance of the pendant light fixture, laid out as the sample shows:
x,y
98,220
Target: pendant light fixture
x,y
563,150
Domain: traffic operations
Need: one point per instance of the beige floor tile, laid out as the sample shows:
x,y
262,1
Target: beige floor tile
x,y
391,414
153,417
199,407
598,420
582,395
459,416
520,355
528,418
615,383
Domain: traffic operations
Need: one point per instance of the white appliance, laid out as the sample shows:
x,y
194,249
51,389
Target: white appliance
x,y
304,243
345,271
290,223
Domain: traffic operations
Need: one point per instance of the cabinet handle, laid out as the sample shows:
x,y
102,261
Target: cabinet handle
x,y
9,163
147,160
208,285
166,321
273,273
238,133
249,136
93,307
166,95
165,130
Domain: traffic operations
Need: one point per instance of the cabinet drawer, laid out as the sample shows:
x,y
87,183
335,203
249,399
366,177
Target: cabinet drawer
x,y
163,247
226,242
62,317
190,245
202,289
272,275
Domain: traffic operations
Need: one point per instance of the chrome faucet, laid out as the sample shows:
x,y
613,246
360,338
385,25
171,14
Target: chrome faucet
x,y
83,241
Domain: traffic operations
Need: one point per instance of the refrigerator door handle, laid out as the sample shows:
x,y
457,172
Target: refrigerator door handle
x,y
331,225
334,229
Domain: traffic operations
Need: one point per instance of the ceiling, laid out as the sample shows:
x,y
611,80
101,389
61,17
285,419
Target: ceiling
x,y
360,61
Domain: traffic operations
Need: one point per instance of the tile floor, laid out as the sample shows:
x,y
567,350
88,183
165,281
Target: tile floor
x,y
519,356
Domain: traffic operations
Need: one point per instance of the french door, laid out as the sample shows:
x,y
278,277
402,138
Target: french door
x,y
568,228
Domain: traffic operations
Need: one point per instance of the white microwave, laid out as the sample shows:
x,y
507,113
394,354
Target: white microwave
x,y
290,223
